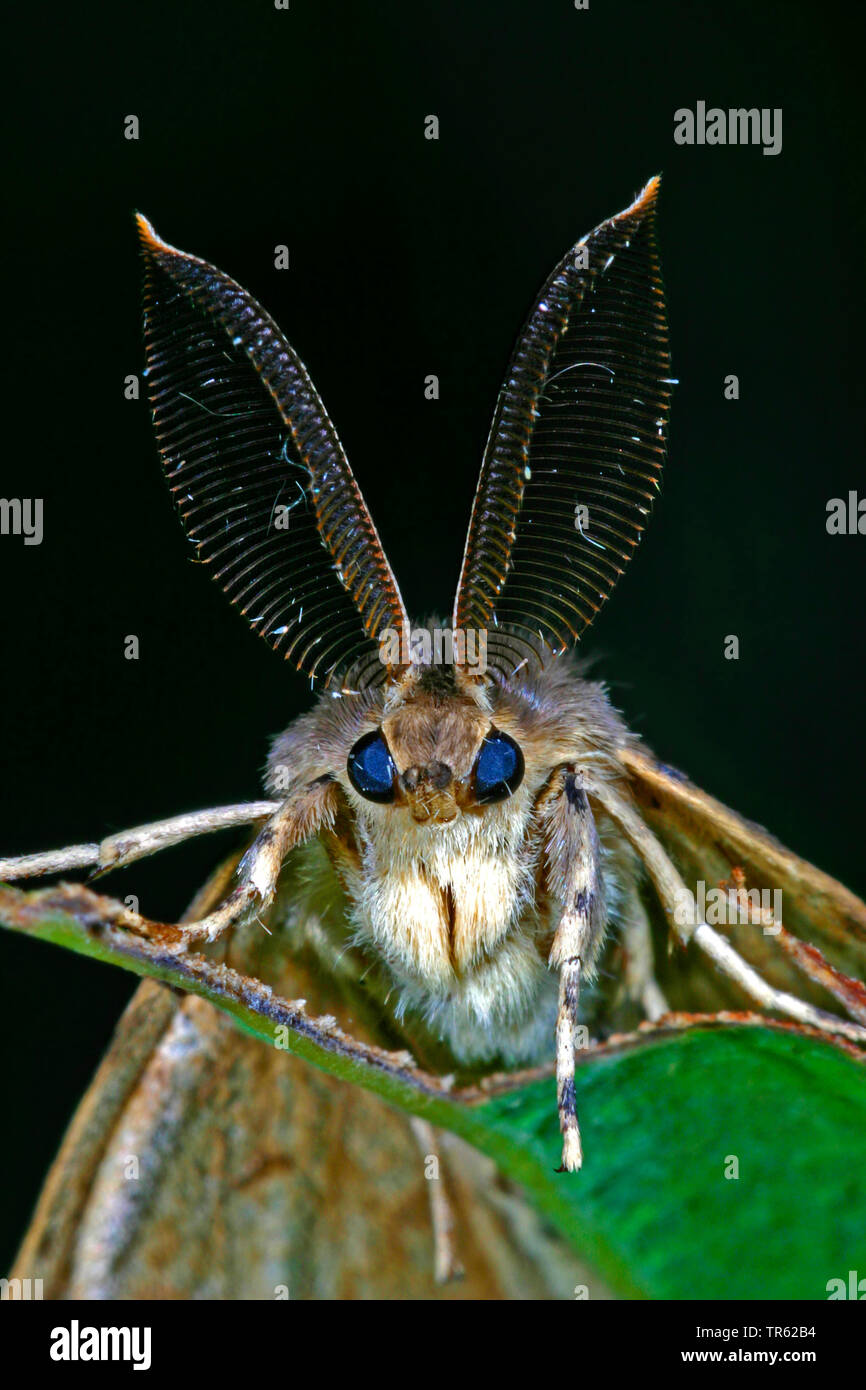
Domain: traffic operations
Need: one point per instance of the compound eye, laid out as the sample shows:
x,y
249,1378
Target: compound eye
x,y
371,768
499,768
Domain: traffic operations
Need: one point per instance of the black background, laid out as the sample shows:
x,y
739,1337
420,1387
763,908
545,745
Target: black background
x,y
409,257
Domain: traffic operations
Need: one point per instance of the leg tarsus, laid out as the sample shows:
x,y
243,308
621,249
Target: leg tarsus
x,y
574,859
142,840
566,1097
127,846
51,861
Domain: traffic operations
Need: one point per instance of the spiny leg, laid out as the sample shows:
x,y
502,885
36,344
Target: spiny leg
x,y
302,815
680,906
129,845
574,872
305,811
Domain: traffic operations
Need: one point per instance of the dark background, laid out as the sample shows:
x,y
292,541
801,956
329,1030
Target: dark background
x,y
410,257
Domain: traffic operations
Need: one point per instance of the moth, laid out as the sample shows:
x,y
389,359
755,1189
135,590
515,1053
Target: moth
x,y
463,839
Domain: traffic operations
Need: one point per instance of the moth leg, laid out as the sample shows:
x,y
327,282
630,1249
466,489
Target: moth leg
x,y
446,1265
129,845
640,981
574,865
304,813
681,908
309,808
51,861
722,953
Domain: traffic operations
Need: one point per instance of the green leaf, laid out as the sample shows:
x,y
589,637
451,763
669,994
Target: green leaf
x,y
664,1118
661,1123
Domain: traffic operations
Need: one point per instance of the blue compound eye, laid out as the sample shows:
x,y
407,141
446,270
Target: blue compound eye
x,y
498,768
371,768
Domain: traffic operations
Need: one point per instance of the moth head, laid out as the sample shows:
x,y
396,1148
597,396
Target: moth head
x,y
438,755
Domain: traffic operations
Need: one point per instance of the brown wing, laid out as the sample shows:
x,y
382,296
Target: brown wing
x,y
708,841
258,1173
